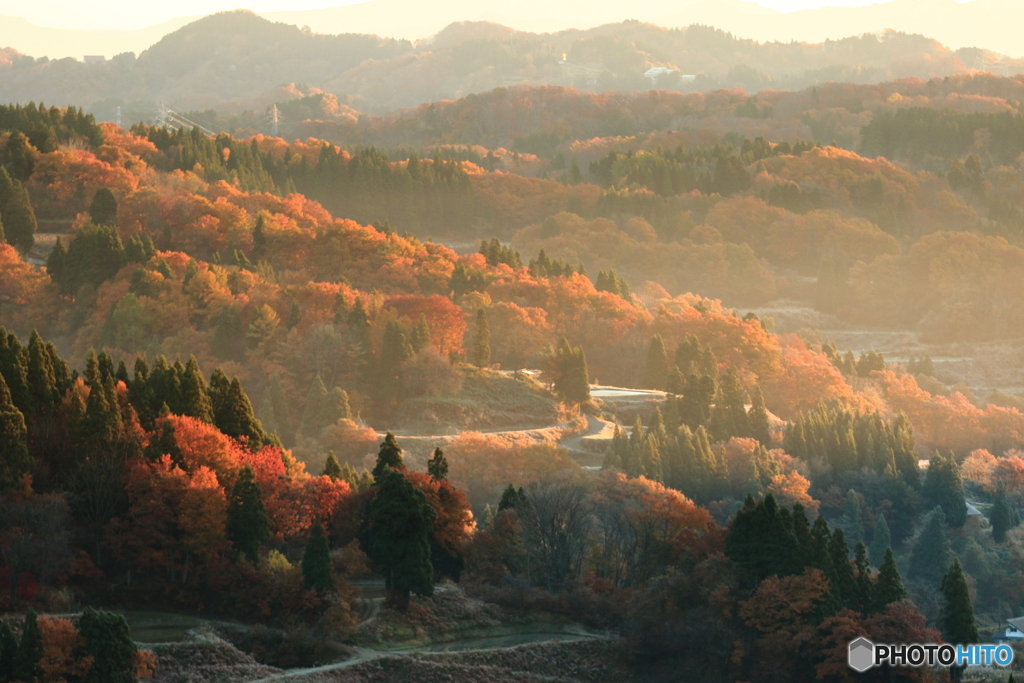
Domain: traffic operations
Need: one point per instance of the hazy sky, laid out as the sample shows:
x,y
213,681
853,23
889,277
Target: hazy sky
x,y
130,14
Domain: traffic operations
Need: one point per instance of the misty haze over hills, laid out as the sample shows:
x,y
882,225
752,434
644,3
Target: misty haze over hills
x,y
991,24
237,61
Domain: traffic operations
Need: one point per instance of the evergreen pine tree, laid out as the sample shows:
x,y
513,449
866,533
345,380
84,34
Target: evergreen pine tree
x,y
195,399
481,341
18,156
19,218
282,411
312,416
511,498
861,601
650,460
888,587
248,525
880,541
957,615
8,647
1000,516
401,522
437,466
932,554
15,461
388,457
55,262
729,417
103,209
108,641
395,350
944,487
760,428
656,369
316,561
839,553
232,412
336,407
853,518
332,468
30,650
420,338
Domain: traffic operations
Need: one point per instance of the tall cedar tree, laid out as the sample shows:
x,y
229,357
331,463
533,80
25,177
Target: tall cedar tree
x,y
437,466
316,561
401,522
572,378
312,416
853,518
932,554
15,461
248,525
19,218
395,350
388,457
332,468
420,338
1000,516
108,641
957,615
103,209
232,412
656,368
880,541
760,427
889,584
729,418
8,650
195,398
762,540
481,341
944,487
30,650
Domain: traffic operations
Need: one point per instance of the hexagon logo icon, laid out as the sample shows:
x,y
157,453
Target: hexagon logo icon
x,y
861,655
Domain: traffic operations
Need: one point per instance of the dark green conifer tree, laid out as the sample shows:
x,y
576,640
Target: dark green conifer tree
x,y
232,412
401,522
481,341
861,601
18,156
932,553
15,461
195,399
8,647
1001,517
760,428
420,338
103,209
30,650
839,553
316,561
19,218
248,525
888,587
313,415
437,466
511,498
880,541
944,487
729,417
388,457
656,369
332,468
957,615
109,642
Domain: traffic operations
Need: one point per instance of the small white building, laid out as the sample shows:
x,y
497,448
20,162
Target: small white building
x,y
655,71
1014,632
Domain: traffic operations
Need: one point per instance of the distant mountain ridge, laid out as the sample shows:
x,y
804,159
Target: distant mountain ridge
x,y
990,24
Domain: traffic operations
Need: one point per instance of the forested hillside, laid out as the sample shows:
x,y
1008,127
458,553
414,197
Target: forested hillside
x,y
236,63
241,375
